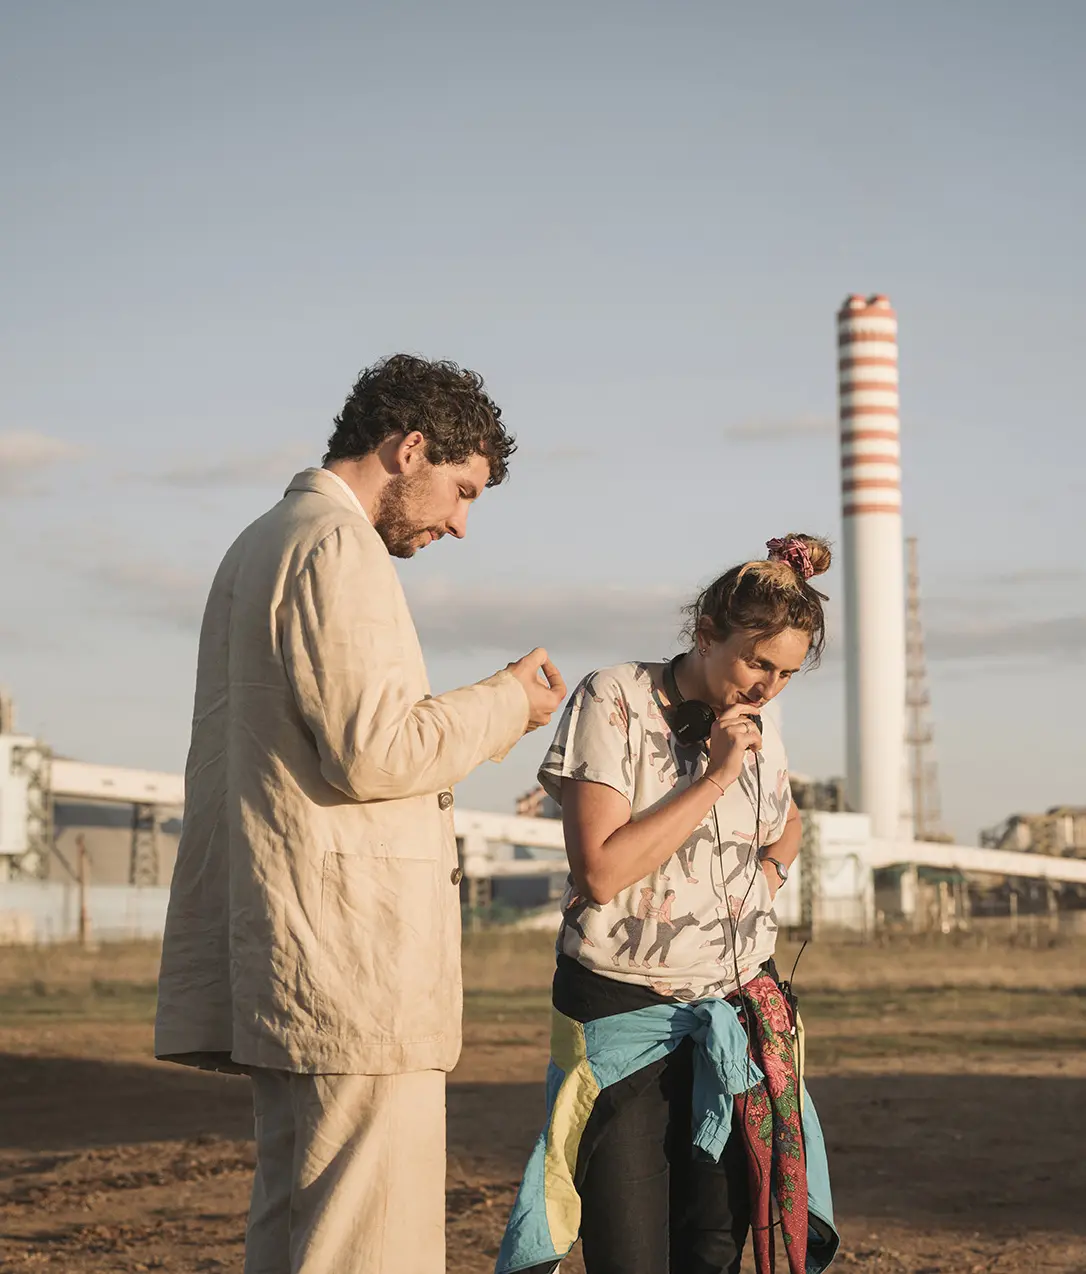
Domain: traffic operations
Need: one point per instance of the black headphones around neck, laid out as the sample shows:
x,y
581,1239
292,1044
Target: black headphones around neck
x,y
691,720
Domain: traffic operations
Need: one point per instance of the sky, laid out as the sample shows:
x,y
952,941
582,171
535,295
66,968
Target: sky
x,y
637,221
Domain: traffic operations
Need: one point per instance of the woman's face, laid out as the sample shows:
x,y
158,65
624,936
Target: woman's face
x,y
746,668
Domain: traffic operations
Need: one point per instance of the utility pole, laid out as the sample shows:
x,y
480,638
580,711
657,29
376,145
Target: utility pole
x,y
84,881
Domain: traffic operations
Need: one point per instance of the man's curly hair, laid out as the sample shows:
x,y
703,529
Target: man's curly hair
x,y
445,403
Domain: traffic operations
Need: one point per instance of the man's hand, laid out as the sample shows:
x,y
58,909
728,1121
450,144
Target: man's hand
x,y
773,879
544,695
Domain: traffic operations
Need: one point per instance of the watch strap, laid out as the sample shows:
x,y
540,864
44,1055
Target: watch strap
x,y
782,871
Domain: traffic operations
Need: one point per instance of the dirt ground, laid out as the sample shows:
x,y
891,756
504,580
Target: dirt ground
x,y
950,1081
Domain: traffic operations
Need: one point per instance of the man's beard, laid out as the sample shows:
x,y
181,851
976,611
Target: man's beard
x,y
393,521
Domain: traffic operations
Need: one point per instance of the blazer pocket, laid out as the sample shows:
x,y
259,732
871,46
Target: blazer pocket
x,y
380,939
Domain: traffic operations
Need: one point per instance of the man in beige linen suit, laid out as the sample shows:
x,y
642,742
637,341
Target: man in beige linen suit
x,y
313,933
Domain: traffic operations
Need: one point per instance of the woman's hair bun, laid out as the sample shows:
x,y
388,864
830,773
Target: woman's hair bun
x,y
807,555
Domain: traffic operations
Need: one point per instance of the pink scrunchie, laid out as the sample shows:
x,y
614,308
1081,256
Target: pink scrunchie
x,y
794,552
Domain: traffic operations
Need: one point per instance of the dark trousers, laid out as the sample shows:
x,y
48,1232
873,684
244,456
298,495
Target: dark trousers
x,y
648,1205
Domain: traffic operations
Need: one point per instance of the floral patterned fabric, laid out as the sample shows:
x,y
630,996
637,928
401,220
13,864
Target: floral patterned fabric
x,y
770,1115
703,921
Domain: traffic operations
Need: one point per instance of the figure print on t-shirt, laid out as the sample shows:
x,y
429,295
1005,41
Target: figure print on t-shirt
x,y
634,926
666,929
571,917
686,851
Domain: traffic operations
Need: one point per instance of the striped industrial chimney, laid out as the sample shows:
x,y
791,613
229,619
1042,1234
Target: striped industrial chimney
x,y
873,561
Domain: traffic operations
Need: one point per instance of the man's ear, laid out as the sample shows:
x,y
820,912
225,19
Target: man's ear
x,y
410,452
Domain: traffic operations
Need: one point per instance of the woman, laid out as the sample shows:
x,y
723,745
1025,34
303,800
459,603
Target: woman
x,y
677,1117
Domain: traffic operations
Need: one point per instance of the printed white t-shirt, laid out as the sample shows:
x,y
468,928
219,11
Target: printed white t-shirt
x,y
684,929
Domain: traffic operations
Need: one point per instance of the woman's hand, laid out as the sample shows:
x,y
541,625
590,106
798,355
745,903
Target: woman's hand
x,y
773,880
733,735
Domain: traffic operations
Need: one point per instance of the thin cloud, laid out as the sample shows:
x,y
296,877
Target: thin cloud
x,y
25,455
1063,635
250,469
451,620
23,641
600,622
514,619
1038,576
1001,589
12,639
624,623
771,429
168,594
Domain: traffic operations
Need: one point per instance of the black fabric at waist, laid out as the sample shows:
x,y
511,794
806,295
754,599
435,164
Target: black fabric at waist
x,y
585,996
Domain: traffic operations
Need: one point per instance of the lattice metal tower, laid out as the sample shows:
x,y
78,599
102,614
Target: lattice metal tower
x,y
919,732
143,864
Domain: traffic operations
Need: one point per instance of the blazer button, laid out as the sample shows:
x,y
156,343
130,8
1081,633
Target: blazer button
x,y
457,876
445,800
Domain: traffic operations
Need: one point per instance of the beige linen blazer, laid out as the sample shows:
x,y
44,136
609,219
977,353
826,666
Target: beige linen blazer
x,y
314,915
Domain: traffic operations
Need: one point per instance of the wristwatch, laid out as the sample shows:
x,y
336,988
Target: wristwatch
x,y
782,871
